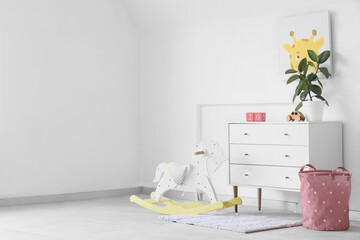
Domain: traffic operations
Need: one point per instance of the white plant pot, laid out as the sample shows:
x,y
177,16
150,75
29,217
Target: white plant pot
x,y
313,110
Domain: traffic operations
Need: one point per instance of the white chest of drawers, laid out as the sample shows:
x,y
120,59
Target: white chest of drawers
x,y
269,155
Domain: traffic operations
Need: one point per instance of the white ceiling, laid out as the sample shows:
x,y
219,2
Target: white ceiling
x,y
157,14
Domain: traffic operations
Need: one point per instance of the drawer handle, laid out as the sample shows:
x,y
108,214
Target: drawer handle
x,y
287,177
286,134
246,134
246,174
246,154
287,156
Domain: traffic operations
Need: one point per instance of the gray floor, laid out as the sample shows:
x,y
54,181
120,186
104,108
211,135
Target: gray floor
x,y
117,218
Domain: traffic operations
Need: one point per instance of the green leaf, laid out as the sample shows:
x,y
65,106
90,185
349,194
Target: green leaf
x,y
302,64
298,106
313,56
311,77
306,69
311,64
316,89
292,78
298,90
323,99
295,94
324,56
325,71
320,83
290,71
302,77
305,87
303,95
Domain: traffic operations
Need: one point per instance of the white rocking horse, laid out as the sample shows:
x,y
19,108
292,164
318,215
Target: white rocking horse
x,y
208,156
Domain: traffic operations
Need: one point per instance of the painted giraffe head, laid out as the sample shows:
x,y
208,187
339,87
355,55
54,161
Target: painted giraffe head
x,y
298,50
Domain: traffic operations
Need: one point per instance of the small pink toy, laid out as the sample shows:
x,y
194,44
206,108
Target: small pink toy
x,y
249,117
259,117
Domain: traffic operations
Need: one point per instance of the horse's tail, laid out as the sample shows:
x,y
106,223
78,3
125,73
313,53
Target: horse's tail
x,y
159,171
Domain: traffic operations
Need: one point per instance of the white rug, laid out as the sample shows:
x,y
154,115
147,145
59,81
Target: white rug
x,y
237,222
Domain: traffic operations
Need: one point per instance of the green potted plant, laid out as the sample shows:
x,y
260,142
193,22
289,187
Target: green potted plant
x,y
309,87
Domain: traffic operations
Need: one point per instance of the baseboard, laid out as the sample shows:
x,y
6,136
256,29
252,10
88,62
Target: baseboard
x,y
69,196
354,215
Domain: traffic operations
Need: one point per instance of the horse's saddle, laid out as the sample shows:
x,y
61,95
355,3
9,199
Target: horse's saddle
x,y
177,172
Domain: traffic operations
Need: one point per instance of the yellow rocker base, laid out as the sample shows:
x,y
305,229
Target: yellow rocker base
x,y
175,208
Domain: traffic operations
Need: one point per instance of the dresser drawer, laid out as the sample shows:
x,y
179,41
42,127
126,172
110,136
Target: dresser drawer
x,y
276,155
265,176
287,134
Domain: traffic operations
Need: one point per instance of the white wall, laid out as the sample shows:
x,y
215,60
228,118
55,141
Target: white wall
x,y
225,52
69,97
69,89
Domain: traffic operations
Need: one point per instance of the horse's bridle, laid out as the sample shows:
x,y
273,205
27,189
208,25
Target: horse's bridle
x,y
199,153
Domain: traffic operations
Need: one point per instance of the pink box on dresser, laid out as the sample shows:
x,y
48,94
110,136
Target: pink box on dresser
x,y
259,117
249,117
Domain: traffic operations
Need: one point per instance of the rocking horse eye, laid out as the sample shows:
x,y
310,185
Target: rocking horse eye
x,y
297,57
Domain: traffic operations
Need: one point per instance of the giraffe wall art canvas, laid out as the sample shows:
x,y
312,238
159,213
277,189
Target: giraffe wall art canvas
x,y
297,34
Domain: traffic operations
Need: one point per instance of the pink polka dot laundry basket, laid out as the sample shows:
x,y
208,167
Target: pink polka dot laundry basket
x,y
325,198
